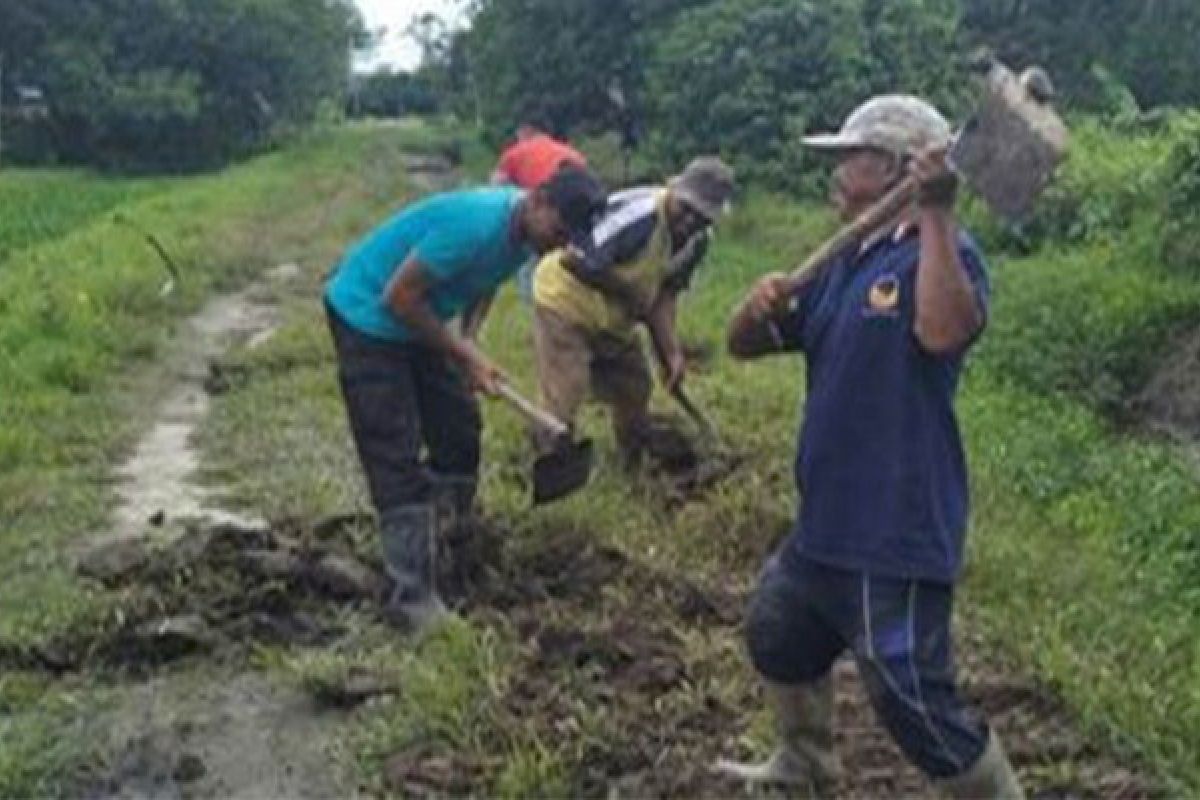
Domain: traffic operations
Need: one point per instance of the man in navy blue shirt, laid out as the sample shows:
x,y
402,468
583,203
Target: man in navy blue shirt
x,y
871,563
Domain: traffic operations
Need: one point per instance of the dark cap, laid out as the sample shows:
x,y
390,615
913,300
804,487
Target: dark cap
x,y
578,196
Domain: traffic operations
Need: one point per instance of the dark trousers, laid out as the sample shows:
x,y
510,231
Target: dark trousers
x,y
402,397
804,615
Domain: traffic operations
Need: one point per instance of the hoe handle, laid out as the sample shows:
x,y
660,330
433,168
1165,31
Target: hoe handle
x,y
699,417
885,209
531,412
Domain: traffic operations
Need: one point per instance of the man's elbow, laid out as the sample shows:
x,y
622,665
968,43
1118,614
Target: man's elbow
x,y
404,301
949,336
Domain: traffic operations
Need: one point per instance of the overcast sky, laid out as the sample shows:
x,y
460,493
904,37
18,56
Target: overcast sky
x,y
397,50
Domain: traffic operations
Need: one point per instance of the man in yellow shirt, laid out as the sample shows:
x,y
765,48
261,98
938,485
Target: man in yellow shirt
x,y
590,296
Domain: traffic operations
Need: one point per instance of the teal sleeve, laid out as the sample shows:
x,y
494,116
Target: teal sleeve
x,y
445,252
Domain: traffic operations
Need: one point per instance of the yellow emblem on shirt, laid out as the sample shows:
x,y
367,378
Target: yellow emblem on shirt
x,y
885,294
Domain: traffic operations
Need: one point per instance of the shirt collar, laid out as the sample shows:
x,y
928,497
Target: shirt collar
x,y
897,232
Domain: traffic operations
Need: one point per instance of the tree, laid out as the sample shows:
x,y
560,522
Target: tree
x,y
746,78
1150,45
174,84
387,93
554,61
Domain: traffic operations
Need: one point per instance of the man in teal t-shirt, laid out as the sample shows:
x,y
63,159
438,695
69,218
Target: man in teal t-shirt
x,y
402,368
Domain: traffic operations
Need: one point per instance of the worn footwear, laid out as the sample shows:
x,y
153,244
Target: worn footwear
x,y
804,725
453,499
408,537
991,778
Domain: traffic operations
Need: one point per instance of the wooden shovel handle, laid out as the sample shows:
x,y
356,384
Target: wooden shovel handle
x,y
885,209
699,417
531,412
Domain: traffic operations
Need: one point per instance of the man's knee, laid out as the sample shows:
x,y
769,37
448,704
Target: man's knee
x,y
783,647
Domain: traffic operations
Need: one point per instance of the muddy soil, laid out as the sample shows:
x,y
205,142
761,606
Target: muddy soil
x,y
1170,402
202,586
623,666
683,463
610,670
223,736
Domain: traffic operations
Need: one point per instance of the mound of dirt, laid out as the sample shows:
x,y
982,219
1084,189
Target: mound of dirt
x,y
1170,402
223,585
613,667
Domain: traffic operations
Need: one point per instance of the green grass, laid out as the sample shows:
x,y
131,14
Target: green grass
x,y
44,204
82,321
1083,554
1082,565
76,312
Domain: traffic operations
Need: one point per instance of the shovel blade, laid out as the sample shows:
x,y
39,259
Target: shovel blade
x,y
1009,150
562,471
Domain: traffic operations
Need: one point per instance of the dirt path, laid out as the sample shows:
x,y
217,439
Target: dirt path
x,y
203,585
217,736
159,477
201,729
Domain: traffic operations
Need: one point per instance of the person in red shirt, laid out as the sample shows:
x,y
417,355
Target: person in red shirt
x,y
528,163
533,158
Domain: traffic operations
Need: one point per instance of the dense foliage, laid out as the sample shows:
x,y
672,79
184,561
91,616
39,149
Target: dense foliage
x,y
746,77
170,84
393,93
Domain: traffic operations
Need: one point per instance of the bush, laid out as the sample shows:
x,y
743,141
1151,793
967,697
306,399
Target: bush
x,y
158,84
1084,321
748,78
1181,229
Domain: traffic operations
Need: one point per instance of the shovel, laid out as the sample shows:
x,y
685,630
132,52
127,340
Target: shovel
x,y
1006,153
565,469
708,429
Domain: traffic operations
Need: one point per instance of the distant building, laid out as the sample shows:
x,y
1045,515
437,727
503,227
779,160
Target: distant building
x,y
25,103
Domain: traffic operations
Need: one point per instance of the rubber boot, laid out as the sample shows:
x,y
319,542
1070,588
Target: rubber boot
x,y
633,435
804,725
991,778
454,499
408,535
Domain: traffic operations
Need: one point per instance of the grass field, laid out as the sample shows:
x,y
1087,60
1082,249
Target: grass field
x,y
1082,563
83,326
44,204
1083,557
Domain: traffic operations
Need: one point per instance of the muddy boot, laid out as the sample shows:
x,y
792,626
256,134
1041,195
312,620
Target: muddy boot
x,y
991,778
408,552
804,725
634,438
454,500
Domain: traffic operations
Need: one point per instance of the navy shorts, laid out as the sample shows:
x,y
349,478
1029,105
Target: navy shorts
x,y
804,615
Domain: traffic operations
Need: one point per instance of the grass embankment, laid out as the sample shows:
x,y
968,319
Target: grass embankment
x,y
1083,563
1087,560
82,324
1084,559
43,204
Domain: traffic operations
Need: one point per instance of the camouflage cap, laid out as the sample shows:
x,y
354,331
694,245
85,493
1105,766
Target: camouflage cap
x,y
706,186
894,123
